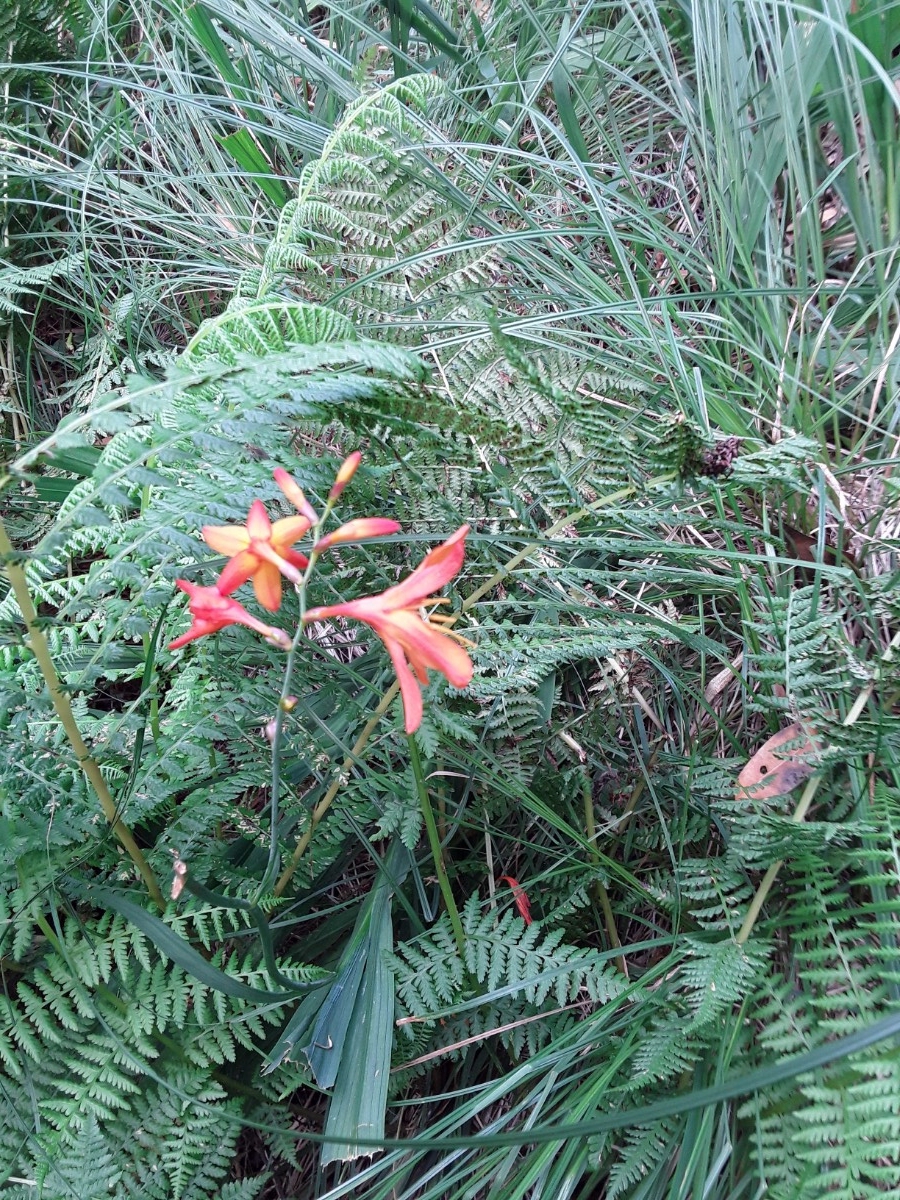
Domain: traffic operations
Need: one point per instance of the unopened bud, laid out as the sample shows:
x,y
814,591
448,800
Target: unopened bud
x,y
345,474
288,704
294,493
358,531
270,729
277,637
178,879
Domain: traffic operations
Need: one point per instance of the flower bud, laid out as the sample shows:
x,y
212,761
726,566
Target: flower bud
x,y
345,474
179,876
294,493
288,704
277,637
358,531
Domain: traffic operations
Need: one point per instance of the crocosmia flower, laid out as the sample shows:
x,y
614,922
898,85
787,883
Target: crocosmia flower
x,y
414,641
259,551
212,611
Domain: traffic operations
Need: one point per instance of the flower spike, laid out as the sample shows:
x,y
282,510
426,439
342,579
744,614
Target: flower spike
x,y
414,642
212,611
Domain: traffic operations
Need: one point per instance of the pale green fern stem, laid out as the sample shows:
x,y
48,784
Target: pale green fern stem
x,y
63,708
768,879
437,850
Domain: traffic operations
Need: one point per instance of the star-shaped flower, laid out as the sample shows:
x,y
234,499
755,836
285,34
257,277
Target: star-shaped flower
x,y
261,551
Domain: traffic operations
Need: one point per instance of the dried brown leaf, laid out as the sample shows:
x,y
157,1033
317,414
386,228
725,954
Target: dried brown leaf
x,y
774,771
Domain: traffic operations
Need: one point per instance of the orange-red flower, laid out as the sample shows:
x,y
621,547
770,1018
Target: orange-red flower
x,y
358,531
259,551
212,611
411,640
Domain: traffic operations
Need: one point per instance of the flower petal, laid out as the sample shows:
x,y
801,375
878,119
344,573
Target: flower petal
x,y
295,494
436,569
358,531
350,608
237,571
427,646
195,631
345,474
226,539
409,689
286,531
267,586
259,527
212,611
265,551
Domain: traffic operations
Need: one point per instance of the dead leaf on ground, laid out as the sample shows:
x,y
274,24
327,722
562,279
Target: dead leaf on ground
x,y
774,772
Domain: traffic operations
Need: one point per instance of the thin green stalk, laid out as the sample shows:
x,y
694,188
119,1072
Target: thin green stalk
x,y
284,705
812,786
372,724
148,641
153,715
437,851
41,651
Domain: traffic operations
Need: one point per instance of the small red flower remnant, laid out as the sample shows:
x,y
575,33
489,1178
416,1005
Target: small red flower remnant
x,y
259,551
212,611
520,898
411,640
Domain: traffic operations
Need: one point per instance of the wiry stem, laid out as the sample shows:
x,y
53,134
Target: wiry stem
x,y
325,803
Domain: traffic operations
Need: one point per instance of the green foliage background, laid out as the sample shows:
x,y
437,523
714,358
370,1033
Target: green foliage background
x,y
615,285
